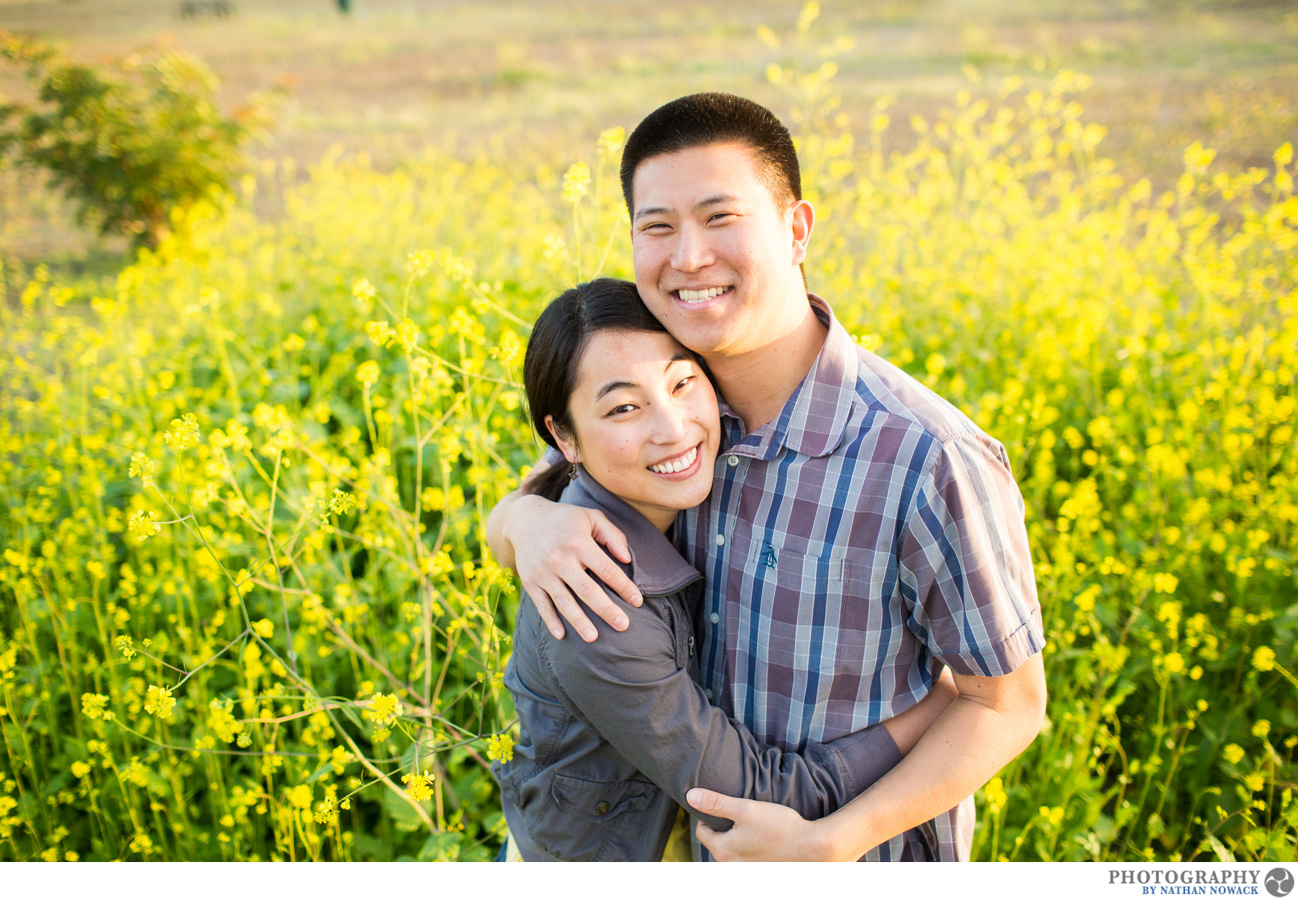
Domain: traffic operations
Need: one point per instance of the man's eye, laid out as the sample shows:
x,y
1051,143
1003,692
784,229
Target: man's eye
x,y
721,217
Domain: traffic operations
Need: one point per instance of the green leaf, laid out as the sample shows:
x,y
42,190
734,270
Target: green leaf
x,y
319,773
441,847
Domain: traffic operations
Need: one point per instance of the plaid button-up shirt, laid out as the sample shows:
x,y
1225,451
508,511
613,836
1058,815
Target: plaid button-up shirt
x,y
851,547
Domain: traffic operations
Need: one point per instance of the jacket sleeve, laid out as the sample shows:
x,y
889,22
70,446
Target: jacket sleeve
x,y
627,687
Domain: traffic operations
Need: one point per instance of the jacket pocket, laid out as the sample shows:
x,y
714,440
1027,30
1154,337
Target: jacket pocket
x,y
592,820
600,802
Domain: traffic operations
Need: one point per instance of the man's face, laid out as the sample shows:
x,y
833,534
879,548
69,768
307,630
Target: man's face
x,y
716,260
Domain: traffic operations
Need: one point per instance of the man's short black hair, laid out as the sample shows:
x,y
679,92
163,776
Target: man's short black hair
x,y
701,120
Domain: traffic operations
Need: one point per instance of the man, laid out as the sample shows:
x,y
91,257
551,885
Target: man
x,y
861,532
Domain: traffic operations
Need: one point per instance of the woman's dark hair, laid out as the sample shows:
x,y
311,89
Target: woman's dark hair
x,y
554,352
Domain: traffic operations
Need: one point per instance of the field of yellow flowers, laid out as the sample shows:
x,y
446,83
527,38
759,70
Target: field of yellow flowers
x,y
246,609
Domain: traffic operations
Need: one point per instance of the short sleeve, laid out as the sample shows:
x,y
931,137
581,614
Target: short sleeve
x,y
966,569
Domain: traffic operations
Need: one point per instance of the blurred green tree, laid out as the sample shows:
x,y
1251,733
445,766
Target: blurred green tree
x,y
129,140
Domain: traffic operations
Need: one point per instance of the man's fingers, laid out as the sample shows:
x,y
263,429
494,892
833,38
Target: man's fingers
x,y
608,534
613,576
571,610
545,608
713,804
608,572
706,836
560,592
600,603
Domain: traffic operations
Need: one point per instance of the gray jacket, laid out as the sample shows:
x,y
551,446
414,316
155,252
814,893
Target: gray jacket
x,y
613,733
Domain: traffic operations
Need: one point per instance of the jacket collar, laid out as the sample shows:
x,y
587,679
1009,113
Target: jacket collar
x,y
656,568
814,419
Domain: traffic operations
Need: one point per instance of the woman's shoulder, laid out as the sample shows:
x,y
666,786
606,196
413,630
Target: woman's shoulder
x,y
657,567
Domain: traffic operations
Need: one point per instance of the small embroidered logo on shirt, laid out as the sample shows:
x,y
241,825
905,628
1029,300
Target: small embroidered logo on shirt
x,y
768,555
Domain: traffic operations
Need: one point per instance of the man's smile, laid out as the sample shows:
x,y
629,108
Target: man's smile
x,y
698,296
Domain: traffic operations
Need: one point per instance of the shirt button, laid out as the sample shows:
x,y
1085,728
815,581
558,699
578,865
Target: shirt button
x,y
733,460
708,693
721,540
601,807
715,618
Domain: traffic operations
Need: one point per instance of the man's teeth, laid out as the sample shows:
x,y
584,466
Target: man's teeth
x,y
677,465
696,296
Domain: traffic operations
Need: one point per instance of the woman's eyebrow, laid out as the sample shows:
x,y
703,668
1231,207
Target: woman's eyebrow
x,y
681,356
613,386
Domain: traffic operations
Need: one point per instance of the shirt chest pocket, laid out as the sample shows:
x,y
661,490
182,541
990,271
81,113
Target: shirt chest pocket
x,y
797,565
812,605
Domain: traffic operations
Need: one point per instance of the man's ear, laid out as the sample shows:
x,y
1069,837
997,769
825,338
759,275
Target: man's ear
x,y
803,220
567,446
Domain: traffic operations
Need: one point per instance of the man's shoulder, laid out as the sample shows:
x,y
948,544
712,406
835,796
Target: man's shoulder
x,y
906,403
893,399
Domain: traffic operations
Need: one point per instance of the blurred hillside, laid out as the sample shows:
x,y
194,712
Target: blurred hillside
x,y
536,82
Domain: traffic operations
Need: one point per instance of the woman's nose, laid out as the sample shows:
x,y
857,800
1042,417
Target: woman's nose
x,y
671,425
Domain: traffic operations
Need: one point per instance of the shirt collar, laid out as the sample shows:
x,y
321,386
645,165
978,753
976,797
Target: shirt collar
x,y
814,419
656,567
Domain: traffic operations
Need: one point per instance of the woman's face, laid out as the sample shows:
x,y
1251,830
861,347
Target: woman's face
x,y
646,422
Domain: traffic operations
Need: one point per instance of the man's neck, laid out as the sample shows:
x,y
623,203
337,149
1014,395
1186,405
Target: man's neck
x,y
757,384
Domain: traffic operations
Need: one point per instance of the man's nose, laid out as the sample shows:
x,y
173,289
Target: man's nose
x,y
692,251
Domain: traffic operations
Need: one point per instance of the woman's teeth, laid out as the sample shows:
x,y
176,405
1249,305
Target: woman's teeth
x,y
696,296
676,465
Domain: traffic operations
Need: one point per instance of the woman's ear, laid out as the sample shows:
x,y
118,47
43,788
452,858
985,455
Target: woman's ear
x,y
567,445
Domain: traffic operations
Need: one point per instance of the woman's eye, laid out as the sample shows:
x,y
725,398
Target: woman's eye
x,y
624,408
684,382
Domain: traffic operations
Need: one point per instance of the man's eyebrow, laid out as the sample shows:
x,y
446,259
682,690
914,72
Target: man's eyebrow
x,y
651,211
702,204
714,200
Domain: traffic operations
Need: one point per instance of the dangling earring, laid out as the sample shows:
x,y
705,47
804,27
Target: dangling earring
x,y
572,472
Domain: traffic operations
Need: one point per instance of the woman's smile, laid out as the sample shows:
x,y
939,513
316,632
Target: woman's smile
x,y
677,465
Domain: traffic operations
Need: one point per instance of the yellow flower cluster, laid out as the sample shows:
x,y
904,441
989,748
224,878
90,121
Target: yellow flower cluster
x,y
143,524
500,748
576,183
95,706
159,702
419,786
384,710
183,433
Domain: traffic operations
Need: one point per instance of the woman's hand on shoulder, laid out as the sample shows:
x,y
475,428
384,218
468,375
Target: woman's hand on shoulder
x,y
557,547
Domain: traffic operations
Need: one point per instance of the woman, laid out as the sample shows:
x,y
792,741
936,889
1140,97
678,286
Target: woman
x,y
615,732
